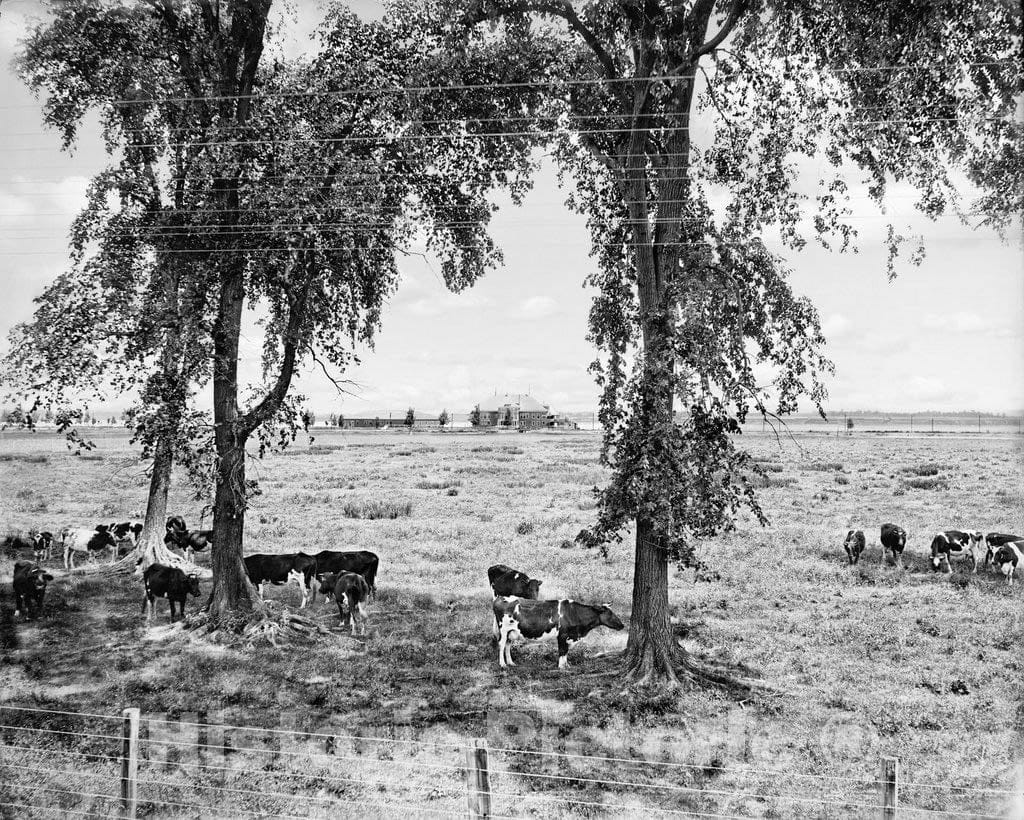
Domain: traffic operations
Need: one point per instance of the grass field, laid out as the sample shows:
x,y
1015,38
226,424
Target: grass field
x,y
865,661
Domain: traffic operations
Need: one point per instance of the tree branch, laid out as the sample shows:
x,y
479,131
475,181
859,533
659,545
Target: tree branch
x,y
736,10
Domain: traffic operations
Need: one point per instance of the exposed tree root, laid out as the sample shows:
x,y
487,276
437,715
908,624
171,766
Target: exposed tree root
x,y
138,559
271,625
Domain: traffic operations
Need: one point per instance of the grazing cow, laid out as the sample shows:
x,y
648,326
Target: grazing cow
x,y
281,569
189,541
507,582
29,587
127,531
171,583
361,562
350,590
16,544
566,621
894,540
1007,557
854,545
947,542
87,541
994,540
42,545
176,522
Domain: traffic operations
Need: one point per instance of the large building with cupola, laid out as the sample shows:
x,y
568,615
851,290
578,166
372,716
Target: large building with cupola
x,y
515,411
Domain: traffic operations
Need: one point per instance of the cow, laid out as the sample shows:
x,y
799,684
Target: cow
x,y
854,545
507,582
88,541
566,621
189,541
176,522
161,581
350,590
16,544
994,540
947,542
29,587
127,531
894,540
42,545
280,569
362,562
1007,557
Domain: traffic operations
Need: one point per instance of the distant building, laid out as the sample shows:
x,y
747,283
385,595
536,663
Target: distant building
x,y
372,423
517,411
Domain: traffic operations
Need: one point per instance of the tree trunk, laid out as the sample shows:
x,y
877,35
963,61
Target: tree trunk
x,y
651,653
232,592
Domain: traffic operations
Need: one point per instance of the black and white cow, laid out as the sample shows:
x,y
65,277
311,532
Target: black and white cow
x,y
994,540
30,582
87,542
189,541
1008,557
507,582
42,545
894,540
350,591
127,532
161,581
854,545
361,562
565,621
948,542
176,522
282,569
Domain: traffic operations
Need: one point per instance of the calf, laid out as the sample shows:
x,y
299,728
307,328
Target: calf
x,y
361,562
189,541
88,542
994,540
894,540
507,582
281,569
350,590
29,587
854,545
947,542
42,545
566,621
1007,557
171,583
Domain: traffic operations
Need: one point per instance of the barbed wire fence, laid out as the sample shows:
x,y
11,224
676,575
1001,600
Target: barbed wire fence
x,y
82,764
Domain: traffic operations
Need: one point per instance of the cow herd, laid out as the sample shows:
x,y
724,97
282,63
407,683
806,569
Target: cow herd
x,y
1002,551
350,577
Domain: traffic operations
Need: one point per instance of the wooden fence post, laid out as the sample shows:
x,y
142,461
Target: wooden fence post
x,y
478,785
890,787
129,762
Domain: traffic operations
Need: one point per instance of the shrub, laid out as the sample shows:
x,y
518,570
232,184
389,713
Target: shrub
x,y
842,479
927,469
481,449
376,509
935,483
825,466
453,491
444,484
524,527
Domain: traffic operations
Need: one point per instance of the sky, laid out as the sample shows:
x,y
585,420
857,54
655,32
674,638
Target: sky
x,y
945,336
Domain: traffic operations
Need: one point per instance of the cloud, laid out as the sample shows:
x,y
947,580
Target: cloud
x,y
959,322
536,307
444,302
836,326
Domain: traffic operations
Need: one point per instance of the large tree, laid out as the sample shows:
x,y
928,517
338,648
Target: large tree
x,y
687,130
294,189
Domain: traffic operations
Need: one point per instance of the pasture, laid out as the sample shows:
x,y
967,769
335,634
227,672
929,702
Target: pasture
x,y
862,661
